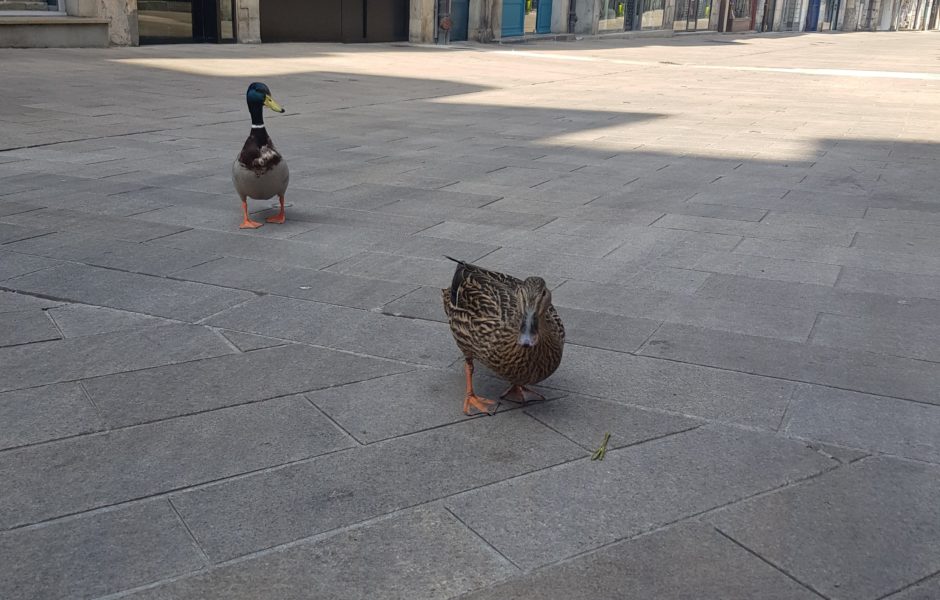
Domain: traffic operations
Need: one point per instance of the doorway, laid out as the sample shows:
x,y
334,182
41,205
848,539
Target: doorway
x,y
514,17
184,21
460,20
812,15
692,15
348,21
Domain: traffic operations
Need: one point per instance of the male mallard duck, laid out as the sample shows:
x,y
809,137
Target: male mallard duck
x,y
260,172
507,324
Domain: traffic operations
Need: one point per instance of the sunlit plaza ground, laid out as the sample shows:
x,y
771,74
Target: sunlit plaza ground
x,y
742,236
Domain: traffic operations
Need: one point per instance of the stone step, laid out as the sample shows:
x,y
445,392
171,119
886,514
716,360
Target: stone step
x,y
53,32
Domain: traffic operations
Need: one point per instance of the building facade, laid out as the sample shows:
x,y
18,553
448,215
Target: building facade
x,y
25,23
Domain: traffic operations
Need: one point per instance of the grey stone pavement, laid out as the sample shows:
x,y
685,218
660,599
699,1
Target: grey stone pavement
x,y
743,234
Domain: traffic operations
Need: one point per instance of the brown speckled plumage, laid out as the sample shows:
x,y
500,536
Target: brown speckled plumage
x,y
486,311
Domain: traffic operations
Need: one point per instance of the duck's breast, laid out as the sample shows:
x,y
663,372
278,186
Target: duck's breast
x,y
261,182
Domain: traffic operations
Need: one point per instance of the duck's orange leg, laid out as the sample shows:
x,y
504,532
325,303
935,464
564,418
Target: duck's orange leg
x,y
520,394
481,404
247,223
279,217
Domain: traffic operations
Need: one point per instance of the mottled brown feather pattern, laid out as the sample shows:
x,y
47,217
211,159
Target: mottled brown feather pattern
x,y
485,315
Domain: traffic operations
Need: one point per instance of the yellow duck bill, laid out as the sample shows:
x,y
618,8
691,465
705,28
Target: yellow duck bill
x,y
270,103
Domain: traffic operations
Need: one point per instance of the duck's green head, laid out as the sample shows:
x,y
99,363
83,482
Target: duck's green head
x,y
259,95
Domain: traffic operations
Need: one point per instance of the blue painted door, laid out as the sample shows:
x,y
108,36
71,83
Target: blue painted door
x,y
460,19
812,15
543,19
513,17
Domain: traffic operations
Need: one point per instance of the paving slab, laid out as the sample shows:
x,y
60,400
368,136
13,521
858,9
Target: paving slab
x,y
537,520
409,340
25,327
769,268
685,561
45,413
896,284
420,246
131,546
137,462
911,338
585,421
295,282
852,225
833,255
169,391
423,303
848,369
817,298
828,544
809,235
874,423
351,486
727,315
13,264
154,296
409,557
12,302
258,247
79,222
380,408
68,245
407,269
248,342
924,591
10,232
687,389
15,207
67,360
522,238
898,243
76,320
604,330
792,201
557,267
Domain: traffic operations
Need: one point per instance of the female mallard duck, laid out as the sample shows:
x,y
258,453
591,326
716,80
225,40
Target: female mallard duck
x,y
260,172
507,324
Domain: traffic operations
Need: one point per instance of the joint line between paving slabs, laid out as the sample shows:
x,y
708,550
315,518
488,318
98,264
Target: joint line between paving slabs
x,y
769,563
779,378
167,493
908,586
685,518
101,419
185,525
484,540
786,412
346,432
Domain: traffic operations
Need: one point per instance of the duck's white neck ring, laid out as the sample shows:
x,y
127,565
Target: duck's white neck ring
x,y
253,126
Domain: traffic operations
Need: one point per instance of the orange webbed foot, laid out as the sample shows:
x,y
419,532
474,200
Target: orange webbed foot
x,y
249,224
278,218
521,394
482,405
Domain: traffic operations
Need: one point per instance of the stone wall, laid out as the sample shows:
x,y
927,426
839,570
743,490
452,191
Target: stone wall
x,y
249,21
122,14
421,23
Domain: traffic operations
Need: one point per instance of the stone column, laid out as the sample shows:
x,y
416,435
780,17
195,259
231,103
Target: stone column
x,y
248,14
486,20
421,24
588,12
560,16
